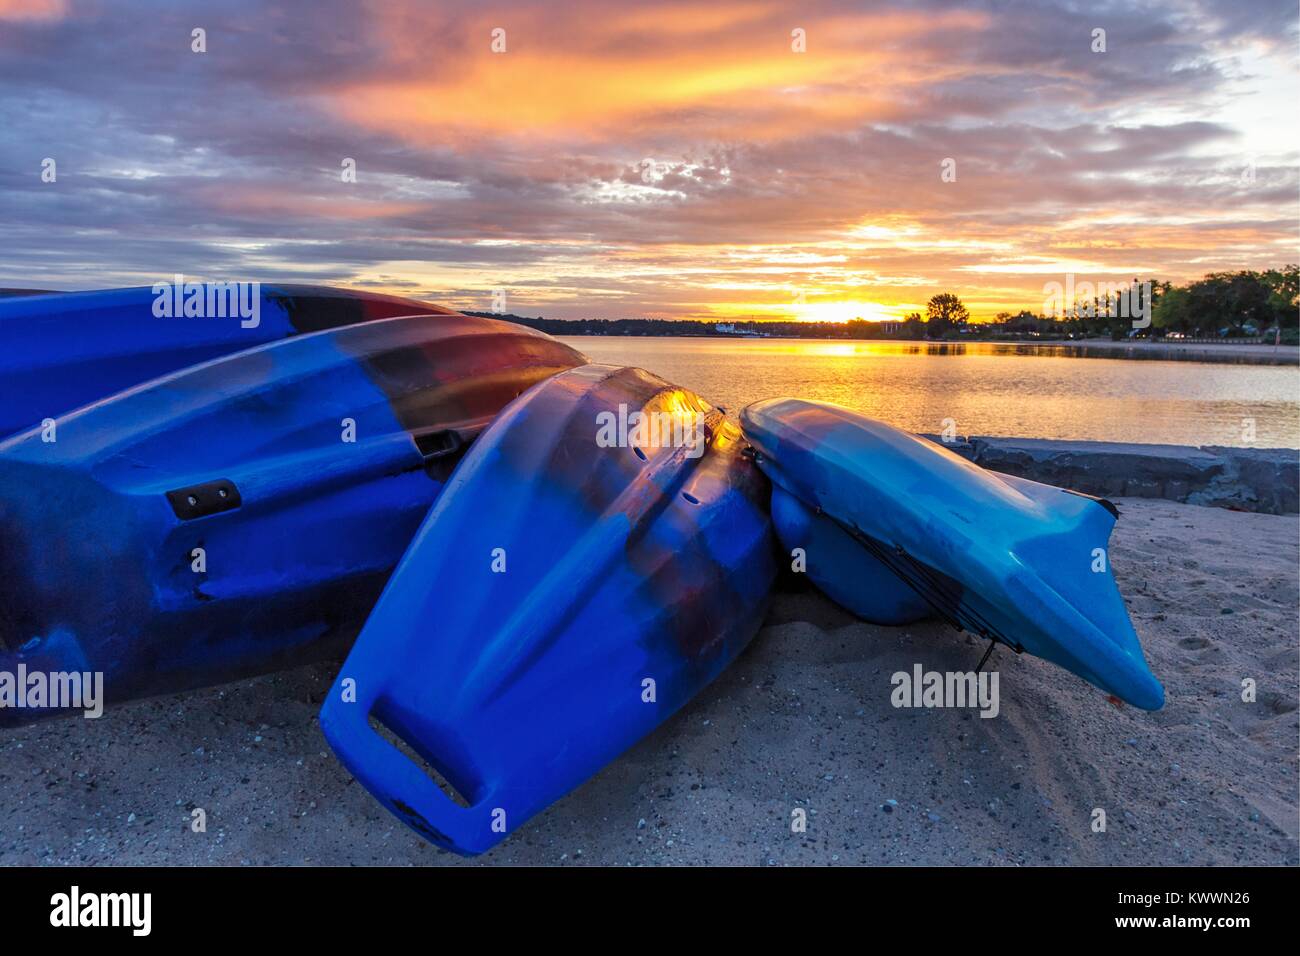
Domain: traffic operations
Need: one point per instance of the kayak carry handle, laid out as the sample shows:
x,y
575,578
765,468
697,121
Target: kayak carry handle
x,y
440,444
405,786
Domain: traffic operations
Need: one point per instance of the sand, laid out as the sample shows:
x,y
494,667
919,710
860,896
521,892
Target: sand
x,y
802,721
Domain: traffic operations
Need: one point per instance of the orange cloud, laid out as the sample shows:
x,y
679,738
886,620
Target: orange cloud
x,y
33,9
584,74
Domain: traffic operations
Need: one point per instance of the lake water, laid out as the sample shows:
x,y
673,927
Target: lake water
x,y
983,389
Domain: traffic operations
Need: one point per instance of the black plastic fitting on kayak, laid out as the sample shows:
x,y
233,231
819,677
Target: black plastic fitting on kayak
x,y
209,498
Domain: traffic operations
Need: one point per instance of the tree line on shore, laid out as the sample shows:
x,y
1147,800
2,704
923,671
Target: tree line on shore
x,y
1220,305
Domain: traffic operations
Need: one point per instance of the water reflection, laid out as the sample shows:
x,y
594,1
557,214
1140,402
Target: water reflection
x,y
1023,389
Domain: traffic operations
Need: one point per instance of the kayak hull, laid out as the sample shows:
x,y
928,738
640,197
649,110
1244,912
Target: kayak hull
x,y
64,350
841,568
562,600
1002,557
243,514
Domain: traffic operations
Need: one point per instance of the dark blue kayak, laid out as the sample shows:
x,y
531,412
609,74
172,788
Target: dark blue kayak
x,y
243,514
59,351
572,588
895,527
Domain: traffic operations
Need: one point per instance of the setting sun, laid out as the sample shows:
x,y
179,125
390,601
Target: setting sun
x,y
848,310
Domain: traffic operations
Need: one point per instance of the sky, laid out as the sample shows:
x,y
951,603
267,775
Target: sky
x,y
736,159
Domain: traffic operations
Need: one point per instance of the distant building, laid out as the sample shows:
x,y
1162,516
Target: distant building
x,y
729,329
890,326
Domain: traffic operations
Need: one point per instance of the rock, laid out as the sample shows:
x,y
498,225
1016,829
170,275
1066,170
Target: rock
x,y
1272,474
1251,479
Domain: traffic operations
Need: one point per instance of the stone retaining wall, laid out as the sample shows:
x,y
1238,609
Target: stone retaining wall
x,y
1249,479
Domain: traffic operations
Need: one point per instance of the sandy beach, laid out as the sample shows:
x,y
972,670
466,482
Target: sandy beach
x,y
802,721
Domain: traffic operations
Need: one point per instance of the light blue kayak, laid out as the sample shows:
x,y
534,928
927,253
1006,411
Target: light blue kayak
x,y
895,527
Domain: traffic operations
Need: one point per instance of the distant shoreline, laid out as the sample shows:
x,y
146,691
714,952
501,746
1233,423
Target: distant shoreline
x,y
1211,352
1243,353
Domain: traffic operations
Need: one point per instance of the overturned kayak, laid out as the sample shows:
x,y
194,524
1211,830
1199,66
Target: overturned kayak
x,y
59,351
600,555
243,514
16,293
895,527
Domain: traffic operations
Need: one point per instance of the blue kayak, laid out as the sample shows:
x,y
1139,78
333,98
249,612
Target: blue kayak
x,y
895,527
243,514
59,351
579,580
